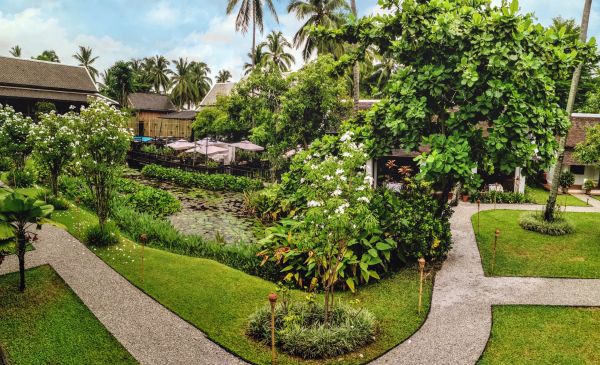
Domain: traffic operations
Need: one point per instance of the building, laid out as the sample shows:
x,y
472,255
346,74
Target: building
x,y
218,89
148,109
25,82
579,124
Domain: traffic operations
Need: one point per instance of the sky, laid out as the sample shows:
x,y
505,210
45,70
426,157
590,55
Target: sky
x,y
199,30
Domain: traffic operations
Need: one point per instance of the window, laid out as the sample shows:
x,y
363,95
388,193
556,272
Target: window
x,y
578,169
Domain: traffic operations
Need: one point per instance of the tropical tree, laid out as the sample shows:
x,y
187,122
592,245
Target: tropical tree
x,y
15,51
251,11
200,72
85,59
103,145
356,67
223,76
54,139
19,213
14,136
382,71
318,13
276,53
185,89
157,71
119,82
256,59
47,55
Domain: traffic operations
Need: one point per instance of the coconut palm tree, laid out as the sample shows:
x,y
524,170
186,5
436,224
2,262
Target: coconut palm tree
x,y
185,89
15,51
325,13
251,11
382,71
157,71
48,55
356,69
19,213
85,59
256,59
200,70
223,76
276,51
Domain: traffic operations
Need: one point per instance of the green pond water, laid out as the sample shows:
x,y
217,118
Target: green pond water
x,y
211,214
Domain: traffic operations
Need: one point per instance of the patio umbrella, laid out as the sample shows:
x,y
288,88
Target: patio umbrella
x,y
180,145
248,146
208,150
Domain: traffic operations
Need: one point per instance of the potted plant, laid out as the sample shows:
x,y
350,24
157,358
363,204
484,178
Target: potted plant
x,y
565,180
588,185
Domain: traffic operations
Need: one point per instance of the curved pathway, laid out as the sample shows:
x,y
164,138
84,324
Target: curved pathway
x,y
460,319
149,331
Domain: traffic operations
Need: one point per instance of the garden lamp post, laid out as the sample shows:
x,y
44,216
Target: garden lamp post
x,y
143,240
421,270
496,235
272,300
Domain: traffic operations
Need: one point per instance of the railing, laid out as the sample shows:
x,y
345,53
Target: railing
x,y
144,158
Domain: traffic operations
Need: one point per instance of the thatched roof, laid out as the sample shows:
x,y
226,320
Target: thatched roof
x,y
218,89
151,102
183,115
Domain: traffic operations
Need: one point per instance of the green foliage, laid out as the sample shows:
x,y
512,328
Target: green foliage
x,y
5,164
150,148
588,185
535,222
588,151
500,197
43,107
465,62
217,182
566,179
214,121
143,198
101,236
75,189
22,178
48,55
14,136
300,329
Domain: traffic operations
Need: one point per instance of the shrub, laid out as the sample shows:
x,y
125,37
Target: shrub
x,y
500,197
5,164
22,178
588,185
97,235
74,188
218,182
566,179
143,198
300,329
535,222
59,203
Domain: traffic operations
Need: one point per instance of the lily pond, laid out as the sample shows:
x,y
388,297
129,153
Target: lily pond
x,y
213,215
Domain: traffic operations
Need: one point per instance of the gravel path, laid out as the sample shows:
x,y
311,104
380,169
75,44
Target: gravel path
x,y
459,322
455,332
150,332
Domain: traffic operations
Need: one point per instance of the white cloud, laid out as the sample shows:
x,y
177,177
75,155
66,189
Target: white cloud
x,y
163,14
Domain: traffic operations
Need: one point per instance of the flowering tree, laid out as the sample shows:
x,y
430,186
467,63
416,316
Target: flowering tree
x,y
54,140
14,136
104,142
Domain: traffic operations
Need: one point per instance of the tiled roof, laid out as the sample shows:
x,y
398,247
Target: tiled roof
x,y
184,114
151,102
579,124
33,74
26,93
219,89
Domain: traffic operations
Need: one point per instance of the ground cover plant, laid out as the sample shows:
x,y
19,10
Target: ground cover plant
x,y
49,324
540,196
543,335
200,180
524,253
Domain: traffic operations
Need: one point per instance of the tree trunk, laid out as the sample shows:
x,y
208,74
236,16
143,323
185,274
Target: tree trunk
x,y
54,183
21,246
443,198
355,69
253,53
551,204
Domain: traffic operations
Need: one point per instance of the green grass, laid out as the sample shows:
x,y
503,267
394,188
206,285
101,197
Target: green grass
x,y
540,196
48,324
218,299
524,253
543,335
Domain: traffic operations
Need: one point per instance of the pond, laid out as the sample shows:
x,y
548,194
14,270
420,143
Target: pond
x,y
213,215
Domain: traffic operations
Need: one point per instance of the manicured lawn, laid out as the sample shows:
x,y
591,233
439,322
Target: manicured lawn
x,y
218,299
543,335
540,196
524,253
48,324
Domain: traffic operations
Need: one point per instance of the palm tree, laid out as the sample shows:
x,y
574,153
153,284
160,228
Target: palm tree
x,y
48,55
157,70
382,71
200,70
251,11
356,70
15,51
276,46
18,213
84,56
223,76
325,13
185,89
256,59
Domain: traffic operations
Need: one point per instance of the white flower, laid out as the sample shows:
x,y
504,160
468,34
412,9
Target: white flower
x,y
368,180
336,192
327,177
339,171
346,136
363,199
341,208
313,203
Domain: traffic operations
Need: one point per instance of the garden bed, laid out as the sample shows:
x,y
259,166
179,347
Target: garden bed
x,y
524,253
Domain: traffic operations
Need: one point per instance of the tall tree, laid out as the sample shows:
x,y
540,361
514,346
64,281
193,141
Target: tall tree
x,y
324,13
185,89
356,68
223,76
119,82
157,70
256,58
200,71
551,204
15,51
85,59
48,55
251,11
276,51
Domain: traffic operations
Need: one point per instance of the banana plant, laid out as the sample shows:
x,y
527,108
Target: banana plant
x,y
19,213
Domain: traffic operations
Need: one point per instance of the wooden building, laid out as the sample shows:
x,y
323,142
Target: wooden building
x,y
25,82
156,116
